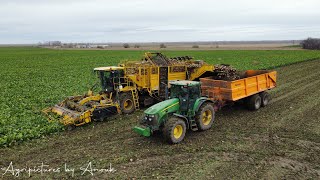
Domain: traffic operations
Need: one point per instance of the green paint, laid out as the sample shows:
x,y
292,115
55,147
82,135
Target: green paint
x,y
161,106
142,131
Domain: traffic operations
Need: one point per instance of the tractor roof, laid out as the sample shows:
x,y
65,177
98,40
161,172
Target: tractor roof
x,y
185,83
108,68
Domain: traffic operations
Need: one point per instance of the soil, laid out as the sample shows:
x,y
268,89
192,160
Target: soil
x,y
279,141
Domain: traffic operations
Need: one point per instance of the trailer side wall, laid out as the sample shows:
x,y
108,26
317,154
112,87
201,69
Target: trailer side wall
x,y
255,81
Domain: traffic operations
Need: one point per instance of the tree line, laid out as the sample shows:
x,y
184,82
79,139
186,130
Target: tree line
x,y
311,43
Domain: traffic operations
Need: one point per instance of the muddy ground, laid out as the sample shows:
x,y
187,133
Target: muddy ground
x,y
279,141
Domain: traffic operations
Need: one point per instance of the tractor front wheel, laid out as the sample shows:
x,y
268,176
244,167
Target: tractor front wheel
x,y
205,116
174,130
126,103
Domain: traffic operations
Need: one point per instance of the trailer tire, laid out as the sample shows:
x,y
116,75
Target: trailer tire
x,y
254,102
126,103
265,98
174,130
205,116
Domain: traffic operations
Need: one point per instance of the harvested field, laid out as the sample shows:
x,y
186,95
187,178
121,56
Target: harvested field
x,y
280,141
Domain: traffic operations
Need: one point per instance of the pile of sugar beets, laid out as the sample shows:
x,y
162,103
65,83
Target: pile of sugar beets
x,y
225,72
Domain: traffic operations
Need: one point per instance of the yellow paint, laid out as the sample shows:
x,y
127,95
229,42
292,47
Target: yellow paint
x,y
70,117
127,88
90,98
128,104
206,117
145,75
177,131
57,111
200,71
108,68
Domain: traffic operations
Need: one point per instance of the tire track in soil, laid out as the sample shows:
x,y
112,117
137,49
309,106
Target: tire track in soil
x,y
294,82
296,69
295,91
293,79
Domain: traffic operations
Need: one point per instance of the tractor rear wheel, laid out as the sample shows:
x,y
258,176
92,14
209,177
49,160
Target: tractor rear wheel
x,y
205,116
174,130
265,98
126,103
254,102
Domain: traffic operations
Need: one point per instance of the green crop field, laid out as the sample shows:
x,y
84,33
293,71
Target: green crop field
x,y
35,78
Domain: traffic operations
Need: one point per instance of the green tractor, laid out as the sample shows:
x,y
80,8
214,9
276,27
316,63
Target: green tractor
x,y
185,109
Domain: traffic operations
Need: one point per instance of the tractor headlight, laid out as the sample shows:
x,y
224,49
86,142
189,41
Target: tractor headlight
x,y
150,119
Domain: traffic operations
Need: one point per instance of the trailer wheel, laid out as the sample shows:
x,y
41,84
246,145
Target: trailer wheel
x,y
174,130
205,116
126,103
254,102
265,98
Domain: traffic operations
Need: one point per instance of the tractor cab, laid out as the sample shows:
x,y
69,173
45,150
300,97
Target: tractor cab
x,y
109,76
187,92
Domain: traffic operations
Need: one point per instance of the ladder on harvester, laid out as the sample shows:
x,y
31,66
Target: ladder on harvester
x,y
135,97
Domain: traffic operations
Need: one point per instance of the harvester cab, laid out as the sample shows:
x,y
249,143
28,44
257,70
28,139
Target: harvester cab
x,y
109,77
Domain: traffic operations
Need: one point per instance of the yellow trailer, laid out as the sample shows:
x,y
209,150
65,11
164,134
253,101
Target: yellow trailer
x,y
251,87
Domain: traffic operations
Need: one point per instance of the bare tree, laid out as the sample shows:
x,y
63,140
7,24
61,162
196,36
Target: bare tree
x,y
137,46
162,45
311,43
126,45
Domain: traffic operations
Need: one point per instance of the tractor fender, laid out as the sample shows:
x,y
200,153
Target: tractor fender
x,y
185,119
199,102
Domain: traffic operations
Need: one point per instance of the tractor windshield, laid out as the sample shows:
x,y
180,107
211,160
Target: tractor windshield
x,y
177,91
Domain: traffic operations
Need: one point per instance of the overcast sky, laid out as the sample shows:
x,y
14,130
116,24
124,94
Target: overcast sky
x,y
32,21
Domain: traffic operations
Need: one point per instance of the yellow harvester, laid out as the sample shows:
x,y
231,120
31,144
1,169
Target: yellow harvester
x,y
126,86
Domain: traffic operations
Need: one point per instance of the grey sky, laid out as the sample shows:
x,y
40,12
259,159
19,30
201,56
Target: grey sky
x,y
31,21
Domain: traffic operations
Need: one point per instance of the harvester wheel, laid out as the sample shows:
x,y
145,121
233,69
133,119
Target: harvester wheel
x,y
174,130
126,103
205,116
265,98
254,102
